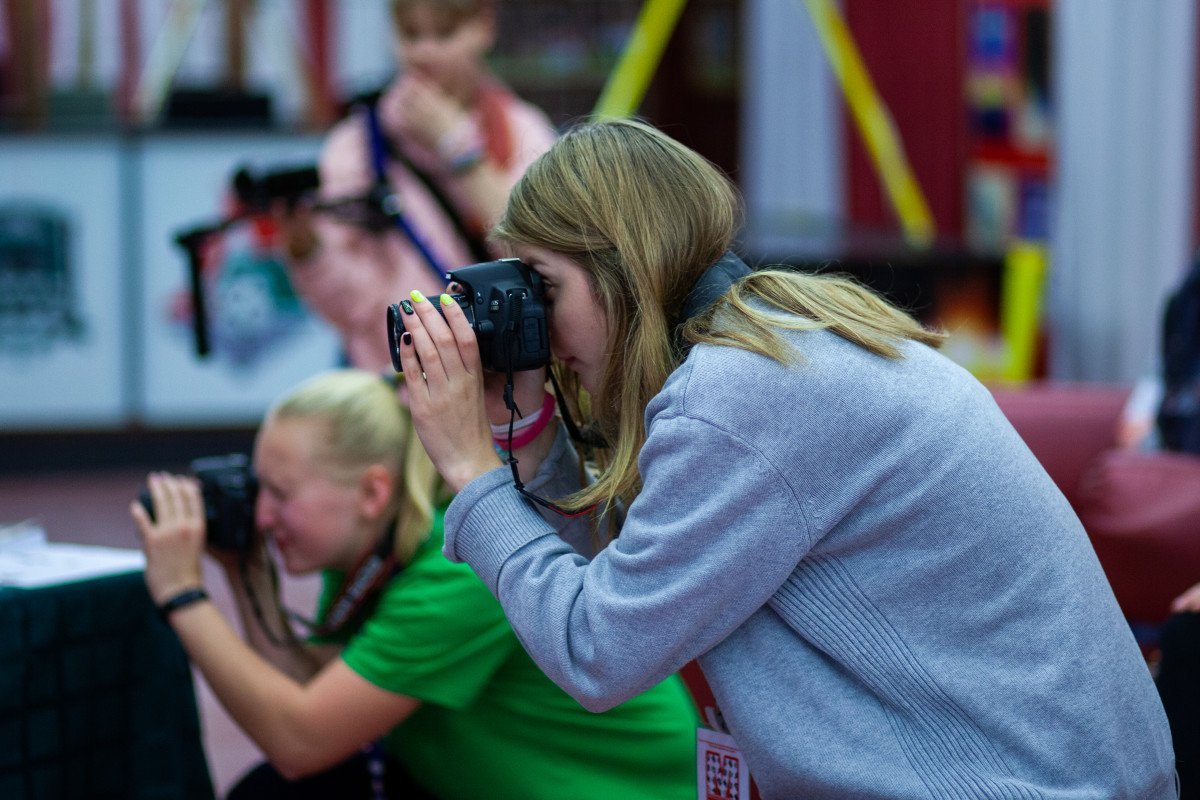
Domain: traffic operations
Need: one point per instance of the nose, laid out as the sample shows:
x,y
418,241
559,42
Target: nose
x,y
264,512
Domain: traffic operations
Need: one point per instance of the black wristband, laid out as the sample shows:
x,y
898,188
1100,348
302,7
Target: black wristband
x,y
184,598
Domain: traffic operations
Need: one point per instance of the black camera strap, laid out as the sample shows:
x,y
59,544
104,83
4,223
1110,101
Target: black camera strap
x,y
288,636
711,284
512,463
588,437
360,586
513,412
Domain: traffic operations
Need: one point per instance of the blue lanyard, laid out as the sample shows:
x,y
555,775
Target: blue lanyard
x,y
391,205
375,769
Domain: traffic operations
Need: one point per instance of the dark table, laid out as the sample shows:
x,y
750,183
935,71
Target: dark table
x,y
96,697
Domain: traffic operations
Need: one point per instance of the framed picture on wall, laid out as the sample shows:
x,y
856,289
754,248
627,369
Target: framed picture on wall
x,y
261,339
62,360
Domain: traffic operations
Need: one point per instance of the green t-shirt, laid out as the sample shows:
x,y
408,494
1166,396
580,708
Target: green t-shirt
x,y
490,723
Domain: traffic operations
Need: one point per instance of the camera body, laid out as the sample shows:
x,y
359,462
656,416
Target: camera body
x,y
504,301
257,191
228,488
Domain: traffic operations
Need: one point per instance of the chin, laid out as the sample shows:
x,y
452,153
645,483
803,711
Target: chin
x,y
295,565
588,382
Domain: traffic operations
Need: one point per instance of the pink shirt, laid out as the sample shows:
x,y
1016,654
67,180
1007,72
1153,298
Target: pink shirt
x,y
355,275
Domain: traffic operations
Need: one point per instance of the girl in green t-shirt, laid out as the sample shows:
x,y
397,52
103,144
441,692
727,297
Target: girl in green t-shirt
x,y
413,666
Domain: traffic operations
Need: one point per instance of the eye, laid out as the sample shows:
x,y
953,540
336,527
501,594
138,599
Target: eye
x,y
275,492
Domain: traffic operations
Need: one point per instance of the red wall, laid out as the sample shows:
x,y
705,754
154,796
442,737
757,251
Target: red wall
x,y
914,52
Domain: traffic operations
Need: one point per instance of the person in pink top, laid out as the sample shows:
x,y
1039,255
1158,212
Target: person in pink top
x,y
449,142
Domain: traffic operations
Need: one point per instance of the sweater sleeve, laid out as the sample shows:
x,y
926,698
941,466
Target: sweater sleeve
x,y
715,531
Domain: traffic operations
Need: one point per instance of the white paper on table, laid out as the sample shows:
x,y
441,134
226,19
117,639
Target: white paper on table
x,y
28,561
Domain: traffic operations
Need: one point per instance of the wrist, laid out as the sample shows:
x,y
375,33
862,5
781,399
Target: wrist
x,y
457,479
461,148
180,599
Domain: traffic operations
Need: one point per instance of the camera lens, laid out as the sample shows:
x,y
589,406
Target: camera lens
x,y
504,304
395,328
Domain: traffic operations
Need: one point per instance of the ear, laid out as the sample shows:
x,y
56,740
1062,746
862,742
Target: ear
x,y
376,489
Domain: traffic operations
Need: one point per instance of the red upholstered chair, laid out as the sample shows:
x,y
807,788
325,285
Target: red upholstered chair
x,y
1141,510
1066,425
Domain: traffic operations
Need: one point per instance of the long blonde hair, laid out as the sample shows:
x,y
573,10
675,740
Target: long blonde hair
x,y
645,216
365,424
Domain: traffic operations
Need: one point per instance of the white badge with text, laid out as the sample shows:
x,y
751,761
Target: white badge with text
x,y
721,772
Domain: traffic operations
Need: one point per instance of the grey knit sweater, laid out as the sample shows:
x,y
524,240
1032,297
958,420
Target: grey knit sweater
x,y
886,592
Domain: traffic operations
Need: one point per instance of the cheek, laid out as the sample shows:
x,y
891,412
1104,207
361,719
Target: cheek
x,y
563,325
591,332
299,518
262,514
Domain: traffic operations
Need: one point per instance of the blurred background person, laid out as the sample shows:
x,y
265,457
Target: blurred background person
x,y
443,143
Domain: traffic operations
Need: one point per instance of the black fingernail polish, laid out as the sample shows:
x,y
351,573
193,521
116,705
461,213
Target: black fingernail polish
x,y
407,306
406,337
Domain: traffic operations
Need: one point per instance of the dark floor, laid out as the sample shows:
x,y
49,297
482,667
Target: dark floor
x,y
92,508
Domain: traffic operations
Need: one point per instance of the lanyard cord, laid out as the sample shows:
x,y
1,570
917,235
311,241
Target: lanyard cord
x,y
376,769
360,584
471,233
389,202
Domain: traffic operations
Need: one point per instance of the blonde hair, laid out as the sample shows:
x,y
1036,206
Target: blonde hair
x,y
645,216
365,424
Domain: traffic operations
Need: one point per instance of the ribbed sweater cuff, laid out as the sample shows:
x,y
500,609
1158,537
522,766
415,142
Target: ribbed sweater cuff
x,y
487,522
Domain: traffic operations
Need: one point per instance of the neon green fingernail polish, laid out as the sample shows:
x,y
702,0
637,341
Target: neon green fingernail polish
x,y
416,296
447,300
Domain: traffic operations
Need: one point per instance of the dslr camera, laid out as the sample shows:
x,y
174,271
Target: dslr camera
x,y
228,488
257,191
505,303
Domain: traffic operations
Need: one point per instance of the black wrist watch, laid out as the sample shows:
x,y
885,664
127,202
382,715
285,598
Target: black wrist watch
x,y
182,600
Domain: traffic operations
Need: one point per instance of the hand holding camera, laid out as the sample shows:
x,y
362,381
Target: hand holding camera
x,y
503,302
177,516
497,323
174,538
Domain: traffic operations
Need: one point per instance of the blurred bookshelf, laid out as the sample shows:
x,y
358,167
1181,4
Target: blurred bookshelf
x,y
136,66
558,54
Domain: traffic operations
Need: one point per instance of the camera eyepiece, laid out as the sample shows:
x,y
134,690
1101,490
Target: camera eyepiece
x,y
504,301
